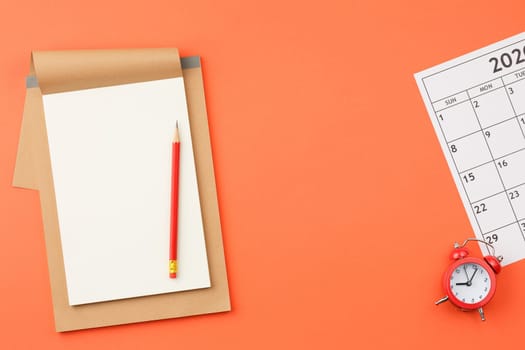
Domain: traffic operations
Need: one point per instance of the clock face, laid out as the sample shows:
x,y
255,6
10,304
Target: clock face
x,y
470,283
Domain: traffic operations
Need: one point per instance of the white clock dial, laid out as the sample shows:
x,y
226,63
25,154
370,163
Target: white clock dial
x,y
470,283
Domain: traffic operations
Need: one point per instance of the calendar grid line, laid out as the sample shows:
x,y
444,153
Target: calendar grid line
x,y
512,105
450,106
499,228
498,193
462,137
495,89
490,161
454,162
523,134
475,167
481,94
488,127
521,127
497,170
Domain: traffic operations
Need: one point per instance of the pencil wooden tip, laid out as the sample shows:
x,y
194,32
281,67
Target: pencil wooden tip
x,y
176,133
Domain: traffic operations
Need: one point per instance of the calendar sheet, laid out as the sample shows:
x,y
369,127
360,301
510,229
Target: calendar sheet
x,y
477,106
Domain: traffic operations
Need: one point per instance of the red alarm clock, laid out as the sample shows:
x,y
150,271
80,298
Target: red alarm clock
x,y
470,282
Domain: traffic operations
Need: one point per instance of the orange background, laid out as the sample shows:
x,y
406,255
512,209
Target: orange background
x,y
338,209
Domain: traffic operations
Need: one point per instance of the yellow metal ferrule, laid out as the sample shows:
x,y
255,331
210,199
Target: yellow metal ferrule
x,y
173,266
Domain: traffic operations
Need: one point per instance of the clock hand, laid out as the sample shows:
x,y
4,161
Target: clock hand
x,y
465,269
471,277
469,282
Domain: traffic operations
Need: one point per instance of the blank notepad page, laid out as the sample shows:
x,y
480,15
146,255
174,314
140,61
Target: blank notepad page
x,y
110,154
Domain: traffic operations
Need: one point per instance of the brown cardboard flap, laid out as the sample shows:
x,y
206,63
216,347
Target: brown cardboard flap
x,y
25,170
60,71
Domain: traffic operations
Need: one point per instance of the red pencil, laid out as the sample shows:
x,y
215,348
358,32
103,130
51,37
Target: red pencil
x,y
174,201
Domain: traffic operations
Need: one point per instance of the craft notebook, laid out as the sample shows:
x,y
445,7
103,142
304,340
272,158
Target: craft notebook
x,y
33,170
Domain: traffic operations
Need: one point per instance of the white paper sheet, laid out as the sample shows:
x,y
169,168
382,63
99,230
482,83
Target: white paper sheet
x,y
477,105
110,154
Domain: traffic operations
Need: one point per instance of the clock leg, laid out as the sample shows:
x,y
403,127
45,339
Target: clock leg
x,y
442,300
481,313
